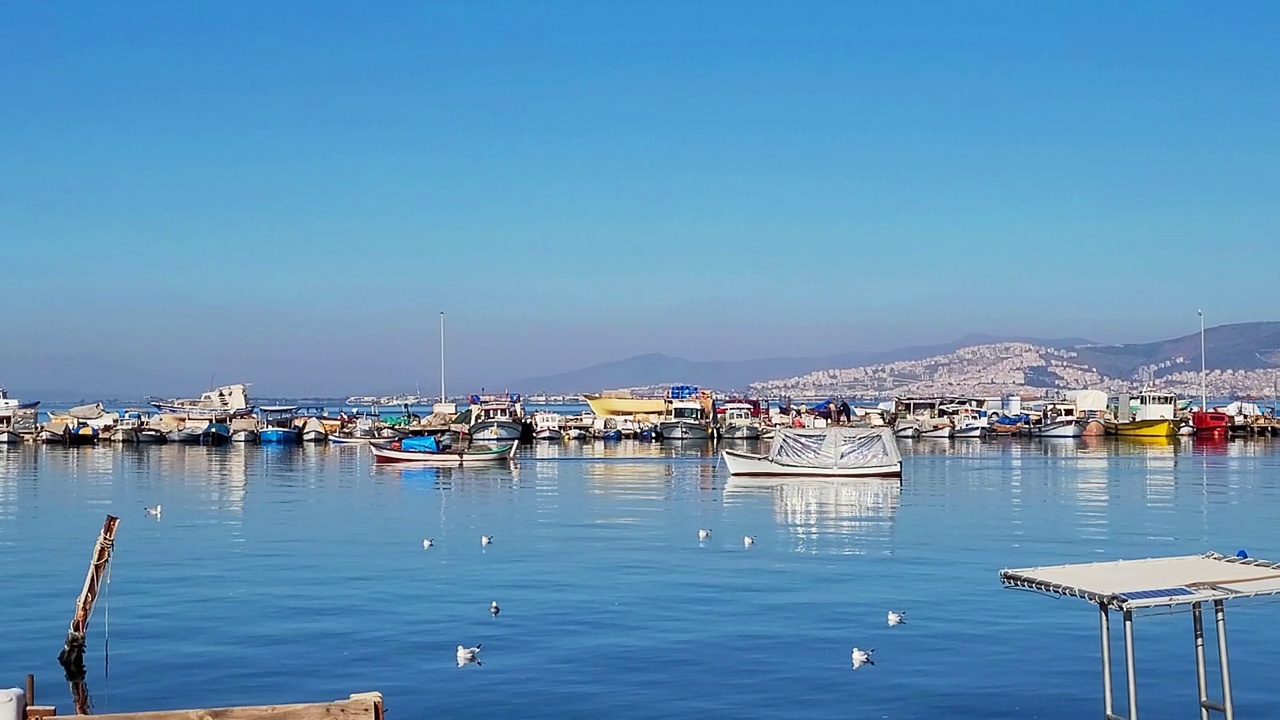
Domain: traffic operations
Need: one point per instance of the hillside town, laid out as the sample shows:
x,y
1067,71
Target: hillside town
x,y
1009,367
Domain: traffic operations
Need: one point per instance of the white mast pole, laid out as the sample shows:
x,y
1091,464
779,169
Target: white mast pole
x,y
1204,384
443,398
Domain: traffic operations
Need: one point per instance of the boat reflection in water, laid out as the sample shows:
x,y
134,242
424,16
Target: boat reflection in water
x,y
846,516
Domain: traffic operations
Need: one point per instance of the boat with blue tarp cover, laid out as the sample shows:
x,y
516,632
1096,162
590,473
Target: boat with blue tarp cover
x,y
430,449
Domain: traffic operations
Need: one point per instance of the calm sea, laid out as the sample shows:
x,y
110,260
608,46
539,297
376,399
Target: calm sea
x,y
284,575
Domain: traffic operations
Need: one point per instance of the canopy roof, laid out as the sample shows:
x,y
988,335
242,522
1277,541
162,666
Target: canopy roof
x,y
834,447
1154,582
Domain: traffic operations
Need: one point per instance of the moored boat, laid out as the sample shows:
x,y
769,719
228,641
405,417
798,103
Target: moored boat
x,y
275,427
547,426
738,421
228,401
1151,414
1210,423
313,430
1067,427
215,433
496,419
9,406
152,436
621,402
244,431
834,452
427,449
688,414
9,436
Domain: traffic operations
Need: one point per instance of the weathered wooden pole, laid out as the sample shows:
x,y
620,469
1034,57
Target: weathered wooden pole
x,y
72,655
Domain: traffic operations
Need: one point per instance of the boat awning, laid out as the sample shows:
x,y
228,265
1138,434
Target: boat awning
x,y
1154,582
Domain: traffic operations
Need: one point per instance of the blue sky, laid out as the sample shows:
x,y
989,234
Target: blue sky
x,y
290,193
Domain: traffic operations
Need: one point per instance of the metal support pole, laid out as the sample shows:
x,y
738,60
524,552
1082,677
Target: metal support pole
x,y
1108,708
1220,614
1202,684
1130,671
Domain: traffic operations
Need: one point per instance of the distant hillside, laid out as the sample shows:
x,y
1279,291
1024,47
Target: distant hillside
x,y
1244,346
656,368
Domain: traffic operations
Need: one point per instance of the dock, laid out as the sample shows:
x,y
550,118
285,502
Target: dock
x,y
358,706
1129,586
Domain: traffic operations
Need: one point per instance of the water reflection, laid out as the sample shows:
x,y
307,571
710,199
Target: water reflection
x,y
849,516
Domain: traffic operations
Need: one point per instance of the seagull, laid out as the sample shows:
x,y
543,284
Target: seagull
x,y
748,540
153,512
858,657
468,655
494,609
486,540
704,534
428,543
897,618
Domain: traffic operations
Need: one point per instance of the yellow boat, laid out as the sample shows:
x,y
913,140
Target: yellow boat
x,y
615,403
1150,415
1158,428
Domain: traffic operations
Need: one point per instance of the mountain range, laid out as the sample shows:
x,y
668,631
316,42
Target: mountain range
x,y
1243,346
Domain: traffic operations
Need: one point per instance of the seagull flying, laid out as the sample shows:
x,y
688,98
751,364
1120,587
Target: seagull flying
x,y
704,534
468,655
428,543
494,609
897,618
153,512
748,540
486,540
856,656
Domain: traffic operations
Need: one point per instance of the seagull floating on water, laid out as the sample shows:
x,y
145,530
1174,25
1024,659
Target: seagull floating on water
x,y
468,655
494,609
856,656
704,534
486,540
428,543
748,540
153,512
896,618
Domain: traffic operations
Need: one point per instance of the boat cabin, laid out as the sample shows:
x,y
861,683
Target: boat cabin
x,y
227,397
277,416
736,413
687,410
547,421
1154,405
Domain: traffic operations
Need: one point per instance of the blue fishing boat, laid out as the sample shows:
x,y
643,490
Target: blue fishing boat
x,y
215,433
276,426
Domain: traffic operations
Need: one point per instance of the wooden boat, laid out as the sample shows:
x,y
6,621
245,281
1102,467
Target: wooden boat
x,y
738,421
228,401
215,433
831,452
276,426
419,450
1153,417
1062,428
1210,423
9,437
497,419
152,436
620,402
547,426
313,430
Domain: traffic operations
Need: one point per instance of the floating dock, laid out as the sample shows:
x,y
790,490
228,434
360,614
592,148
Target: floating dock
x,y
359,706
1128,586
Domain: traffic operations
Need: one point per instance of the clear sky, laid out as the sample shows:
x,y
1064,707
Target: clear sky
x,y
290,192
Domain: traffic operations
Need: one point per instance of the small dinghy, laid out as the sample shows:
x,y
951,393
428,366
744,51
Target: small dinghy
x,y
831,452
426,449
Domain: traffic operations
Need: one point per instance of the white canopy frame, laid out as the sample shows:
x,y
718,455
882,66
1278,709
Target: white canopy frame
x,y
1133,585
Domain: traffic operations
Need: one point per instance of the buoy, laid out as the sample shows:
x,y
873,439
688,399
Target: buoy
x,y
1242,555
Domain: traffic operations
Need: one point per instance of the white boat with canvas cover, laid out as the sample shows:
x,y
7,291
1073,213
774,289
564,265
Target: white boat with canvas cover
x,y
835,452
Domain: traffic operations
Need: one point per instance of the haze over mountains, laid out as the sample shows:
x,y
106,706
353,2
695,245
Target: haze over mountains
x,y
1243,346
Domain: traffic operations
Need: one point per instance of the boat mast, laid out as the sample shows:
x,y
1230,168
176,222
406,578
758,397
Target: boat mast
x,y
442,395
1204,385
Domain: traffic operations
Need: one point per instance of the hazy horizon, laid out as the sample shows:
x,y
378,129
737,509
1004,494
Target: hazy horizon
x,y
289,194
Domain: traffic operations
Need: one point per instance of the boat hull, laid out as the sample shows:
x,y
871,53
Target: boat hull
x,y
352,440
314,436
49,436
10,437
151,436
548,434
244,436
215,434
740,432
971,431
1094,428
385,453
1060,429
186,436
759,466
279,436
942,432
500,431
125,435
605,406
683,430
1159,428
576,434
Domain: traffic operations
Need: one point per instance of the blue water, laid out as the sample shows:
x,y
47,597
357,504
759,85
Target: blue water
x,y
298,574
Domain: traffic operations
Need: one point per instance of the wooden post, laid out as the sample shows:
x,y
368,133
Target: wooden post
x,y
72,655
31,689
